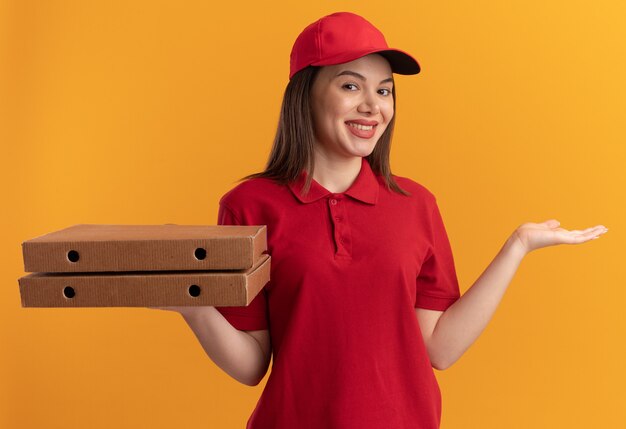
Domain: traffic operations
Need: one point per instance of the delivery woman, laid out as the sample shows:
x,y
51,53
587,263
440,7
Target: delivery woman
x,y
363,299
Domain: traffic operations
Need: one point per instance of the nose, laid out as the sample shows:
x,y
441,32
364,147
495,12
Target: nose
x,y
369,104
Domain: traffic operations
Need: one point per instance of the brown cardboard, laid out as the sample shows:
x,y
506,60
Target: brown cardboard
x,y
94,248
142,289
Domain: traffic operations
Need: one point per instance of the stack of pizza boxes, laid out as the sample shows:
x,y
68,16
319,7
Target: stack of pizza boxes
x,y
145,266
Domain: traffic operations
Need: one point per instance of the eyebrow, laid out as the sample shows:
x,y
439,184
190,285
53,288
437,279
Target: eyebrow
x,y
360,76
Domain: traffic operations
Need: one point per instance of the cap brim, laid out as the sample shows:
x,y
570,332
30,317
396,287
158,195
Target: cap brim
x,y
400,61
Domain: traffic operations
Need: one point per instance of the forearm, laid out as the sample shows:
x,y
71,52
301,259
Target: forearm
x,y
463,322
234,351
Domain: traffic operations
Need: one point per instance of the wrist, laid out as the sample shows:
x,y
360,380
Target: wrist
x,y
189,315
195,314
515,246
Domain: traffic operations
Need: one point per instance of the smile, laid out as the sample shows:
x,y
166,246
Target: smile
x,y
360,127
361,131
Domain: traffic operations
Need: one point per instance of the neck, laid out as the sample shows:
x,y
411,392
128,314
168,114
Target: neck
x,y
336,175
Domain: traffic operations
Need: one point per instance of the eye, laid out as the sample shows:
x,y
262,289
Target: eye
x,y
350,84
386,91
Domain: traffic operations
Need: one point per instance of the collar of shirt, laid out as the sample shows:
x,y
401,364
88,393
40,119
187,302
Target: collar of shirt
x,y
364,188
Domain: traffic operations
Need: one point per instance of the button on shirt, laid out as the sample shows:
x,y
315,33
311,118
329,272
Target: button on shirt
x,y
347,271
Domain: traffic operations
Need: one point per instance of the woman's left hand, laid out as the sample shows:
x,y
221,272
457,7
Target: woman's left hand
x,y
532,236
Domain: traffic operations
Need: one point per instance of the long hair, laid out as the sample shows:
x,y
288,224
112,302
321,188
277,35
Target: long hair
x,y
292,151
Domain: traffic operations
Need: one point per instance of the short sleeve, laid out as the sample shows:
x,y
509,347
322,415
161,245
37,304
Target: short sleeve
x,y
437,284
254,316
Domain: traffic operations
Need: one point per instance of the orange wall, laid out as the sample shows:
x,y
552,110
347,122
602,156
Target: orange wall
x,y
138,112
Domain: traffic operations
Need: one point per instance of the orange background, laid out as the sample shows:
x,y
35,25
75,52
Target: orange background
x,y
147,112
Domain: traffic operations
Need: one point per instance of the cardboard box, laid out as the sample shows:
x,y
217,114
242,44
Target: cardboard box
x,y
88,248
141,289
145,266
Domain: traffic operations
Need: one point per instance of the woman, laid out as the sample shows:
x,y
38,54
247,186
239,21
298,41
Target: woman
x,y
363,299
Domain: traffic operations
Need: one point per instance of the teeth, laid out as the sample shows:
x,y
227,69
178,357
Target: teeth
x,y
360,127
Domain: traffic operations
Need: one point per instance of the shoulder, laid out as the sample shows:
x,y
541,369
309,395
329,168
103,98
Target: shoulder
x,y
423,201
250,191
417,190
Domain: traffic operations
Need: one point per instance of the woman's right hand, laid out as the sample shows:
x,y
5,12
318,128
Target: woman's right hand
x,y
184,310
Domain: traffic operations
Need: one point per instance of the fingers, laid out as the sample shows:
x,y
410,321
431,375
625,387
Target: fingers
x,y
599,231
553,223
584,231
587,234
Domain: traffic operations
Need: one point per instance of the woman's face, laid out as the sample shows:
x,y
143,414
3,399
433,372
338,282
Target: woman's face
x,y
352,106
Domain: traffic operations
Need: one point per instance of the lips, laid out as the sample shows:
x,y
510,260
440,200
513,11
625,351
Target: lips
x,y
361,128
362,122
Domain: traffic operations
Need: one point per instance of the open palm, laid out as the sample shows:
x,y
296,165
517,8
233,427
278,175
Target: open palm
x,y
534,236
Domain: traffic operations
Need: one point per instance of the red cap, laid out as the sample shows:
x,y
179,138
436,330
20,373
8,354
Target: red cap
x,y
342,37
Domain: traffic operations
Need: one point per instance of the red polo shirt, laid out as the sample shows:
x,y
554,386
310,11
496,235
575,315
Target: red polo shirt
x,y
347,271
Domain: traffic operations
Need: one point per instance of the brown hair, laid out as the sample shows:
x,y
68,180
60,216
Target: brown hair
x,y
292,151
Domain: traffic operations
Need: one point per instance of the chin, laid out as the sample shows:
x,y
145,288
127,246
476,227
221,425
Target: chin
x,y
363,153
